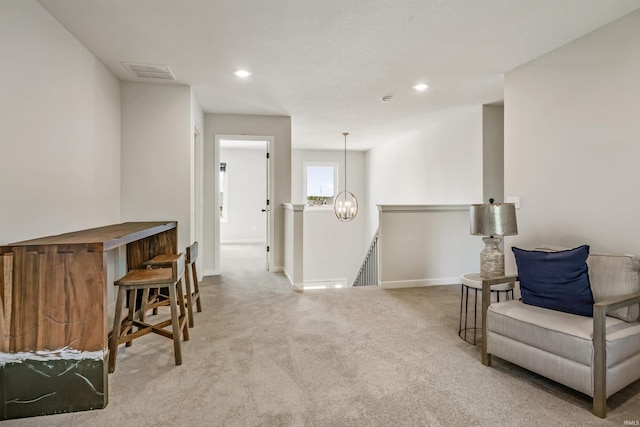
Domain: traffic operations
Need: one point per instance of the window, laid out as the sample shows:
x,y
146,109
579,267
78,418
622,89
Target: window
x,y
224,211
320,182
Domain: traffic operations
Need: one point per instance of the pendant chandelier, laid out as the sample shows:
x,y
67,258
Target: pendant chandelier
x,y
345,204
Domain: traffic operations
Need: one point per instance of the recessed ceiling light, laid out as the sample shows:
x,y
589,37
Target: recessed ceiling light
x,y
421,87
242,73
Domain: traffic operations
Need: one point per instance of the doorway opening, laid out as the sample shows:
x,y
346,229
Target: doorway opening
x,y
244,224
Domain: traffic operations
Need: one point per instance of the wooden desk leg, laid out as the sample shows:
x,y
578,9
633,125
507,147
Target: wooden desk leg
x,y
6,284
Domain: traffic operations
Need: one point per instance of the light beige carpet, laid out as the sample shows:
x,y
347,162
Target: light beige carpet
x,y
264,355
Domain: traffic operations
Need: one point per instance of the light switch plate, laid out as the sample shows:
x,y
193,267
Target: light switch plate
x,y
515,200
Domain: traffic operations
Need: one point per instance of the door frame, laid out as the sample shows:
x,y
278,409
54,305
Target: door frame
x,y
197,193
270,193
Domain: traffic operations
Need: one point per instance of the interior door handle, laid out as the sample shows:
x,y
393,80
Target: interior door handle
x,y
264,210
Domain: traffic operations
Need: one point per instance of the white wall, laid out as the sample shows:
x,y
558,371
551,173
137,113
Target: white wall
x,y
157,143
293,238
572,142
247,193
332,249
426,245
59,129
493,153
236,124
440,164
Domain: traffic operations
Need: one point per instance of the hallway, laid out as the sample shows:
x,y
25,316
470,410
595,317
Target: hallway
x,y
246,264
262,354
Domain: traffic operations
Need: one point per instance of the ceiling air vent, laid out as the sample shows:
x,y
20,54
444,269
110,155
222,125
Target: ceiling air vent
x,y
149,71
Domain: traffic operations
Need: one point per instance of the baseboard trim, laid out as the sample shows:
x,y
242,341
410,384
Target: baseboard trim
x,y
419,283
276,269
295,286
211,273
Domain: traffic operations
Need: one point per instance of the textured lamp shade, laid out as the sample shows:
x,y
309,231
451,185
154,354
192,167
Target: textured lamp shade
x,y
497,219
494,221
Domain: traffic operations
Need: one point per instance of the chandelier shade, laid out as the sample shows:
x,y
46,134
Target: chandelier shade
x,y
345,206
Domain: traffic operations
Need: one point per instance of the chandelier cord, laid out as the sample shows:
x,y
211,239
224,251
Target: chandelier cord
x,y
345,163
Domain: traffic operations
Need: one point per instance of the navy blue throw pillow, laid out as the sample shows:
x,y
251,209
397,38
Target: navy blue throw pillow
x,y
556,280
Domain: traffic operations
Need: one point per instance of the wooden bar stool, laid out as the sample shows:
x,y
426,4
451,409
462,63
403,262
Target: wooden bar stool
x,y
192,256
144,280
192,286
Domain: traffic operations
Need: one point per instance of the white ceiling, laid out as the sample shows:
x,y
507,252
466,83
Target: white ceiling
x,y
326,63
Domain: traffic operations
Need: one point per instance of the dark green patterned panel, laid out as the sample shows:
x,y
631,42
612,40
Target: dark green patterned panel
x,y
35,387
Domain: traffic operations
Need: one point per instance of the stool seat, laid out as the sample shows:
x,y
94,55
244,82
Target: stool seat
x,y
127,329
161,260
144,278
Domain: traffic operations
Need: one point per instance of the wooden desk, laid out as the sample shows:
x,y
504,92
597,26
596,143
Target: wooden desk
x,y
53,315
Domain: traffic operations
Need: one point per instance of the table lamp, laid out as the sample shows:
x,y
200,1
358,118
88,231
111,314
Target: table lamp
x,y
493,220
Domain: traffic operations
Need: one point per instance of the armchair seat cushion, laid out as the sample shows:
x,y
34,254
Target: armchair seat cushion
x,y
563,334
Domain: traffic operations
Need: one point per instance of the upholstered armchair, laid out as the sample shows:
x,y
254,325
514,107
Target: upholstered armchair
x,y
596,355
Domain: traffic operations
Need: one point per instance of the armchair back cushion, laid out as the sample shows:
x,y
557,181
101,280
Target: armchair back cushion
x,y
611,276
555,280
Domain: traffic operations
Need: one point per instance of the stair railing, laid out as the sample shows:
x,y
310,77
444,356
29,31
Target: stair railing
x,y
368,273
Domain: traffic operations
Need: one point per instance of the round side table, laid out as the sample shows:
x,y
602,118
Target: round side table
x,y
474,282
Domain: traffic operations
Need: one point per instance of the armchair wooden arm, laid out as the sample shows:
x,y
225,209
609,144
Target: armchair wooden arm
x,y
600,311
487,283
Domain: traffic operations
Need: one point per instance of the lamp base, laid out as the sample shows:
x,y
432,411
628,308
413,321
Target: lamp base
x,y
491,258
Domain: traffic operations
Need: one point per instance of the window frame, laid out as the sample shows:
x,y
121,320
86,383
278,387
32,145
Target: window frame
x,y
336,183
